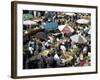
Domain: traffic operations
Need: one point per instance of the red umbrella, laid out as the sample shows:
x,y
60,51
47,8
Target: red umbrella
x,y
66,29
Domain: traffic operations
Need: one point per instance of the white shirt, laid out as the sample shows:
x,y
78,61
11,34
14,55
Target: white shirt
x,y
31,50
62,47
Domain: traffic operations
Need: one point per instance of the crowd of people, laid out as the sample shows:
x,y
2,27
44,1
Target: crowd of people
x,y
61,43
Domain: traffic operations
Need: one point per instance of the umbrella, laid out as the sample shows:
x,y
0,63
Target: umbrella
x,y
29,22
37,20
41,35
61,27
27,17
82,21
77,38
51,26
70,14
65,29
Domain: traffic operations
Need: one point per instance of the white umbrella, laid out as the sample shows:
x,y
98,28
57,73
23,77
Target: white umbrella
x,y
82,21
70,14
77,38
61,27
37,20
29,22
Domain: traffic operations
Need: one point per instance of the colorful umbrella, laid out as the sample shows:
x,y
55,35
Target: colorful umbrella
x,y
65,29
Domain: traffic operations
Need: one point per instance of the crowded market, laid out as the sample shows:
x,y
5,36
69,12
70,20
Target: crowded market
x,y
56,39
